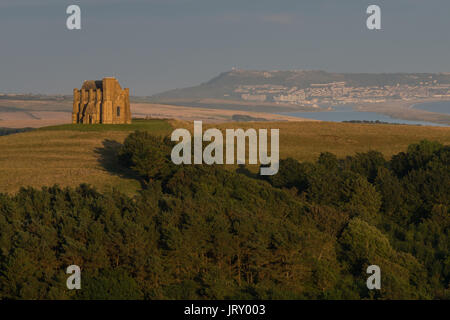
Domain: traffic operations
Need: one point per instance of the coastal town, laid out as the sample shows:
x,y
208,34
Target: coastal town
x,y
341,93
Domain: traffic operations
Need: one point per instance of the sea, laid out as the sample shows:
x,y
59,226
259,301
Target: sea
x,y
439,107
346,113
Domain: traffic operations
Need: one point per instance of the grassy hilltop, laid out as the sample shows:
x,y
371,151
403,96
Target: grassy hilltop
x,y
69,155
72,154
205,232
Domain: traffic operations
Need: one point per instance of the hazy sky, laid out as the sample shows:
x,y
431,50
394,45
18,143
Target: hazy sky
x,y
156,45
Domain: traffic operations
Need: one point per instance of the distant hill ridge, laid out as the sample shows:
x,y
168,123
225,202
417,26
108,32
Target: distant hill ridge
x,y
224,85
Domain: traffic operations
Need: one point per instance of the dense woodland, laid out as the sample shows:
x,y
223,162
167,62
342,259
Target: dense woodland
x,y
205,232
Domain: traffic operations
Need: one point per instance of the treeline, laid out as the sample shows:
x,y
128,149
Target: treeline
x,y
371,122
203,232
8,131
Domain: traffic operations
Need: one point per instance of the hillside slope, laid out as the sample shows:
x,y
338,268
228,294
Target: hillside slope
x,y
223,86
72,154
69,155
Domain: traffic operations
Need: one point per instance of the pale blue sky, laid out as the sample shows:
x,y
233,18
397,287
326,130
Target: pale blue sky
x,y
156,45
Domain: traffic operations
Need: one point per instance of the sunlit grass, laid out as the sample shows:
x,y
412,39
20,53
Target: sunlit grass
x,y
72,154
68,155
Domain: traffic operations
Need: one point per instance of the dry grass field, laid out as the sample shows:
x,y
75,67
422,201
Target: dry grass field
x,y
306,140
69,155
36,113
72,154
164,111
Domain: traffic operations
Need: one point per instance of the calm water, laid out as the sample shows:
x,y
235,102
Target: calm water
x,y
439,107
346,113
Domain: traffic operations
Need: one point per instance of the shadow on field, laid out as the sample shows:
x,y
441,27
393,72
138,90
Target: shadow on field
x,y
242,169
108,159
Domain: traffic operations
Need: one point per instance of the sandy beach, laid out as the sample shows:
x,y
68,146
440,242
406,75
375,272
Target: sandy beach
x,y
35,114
405,110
